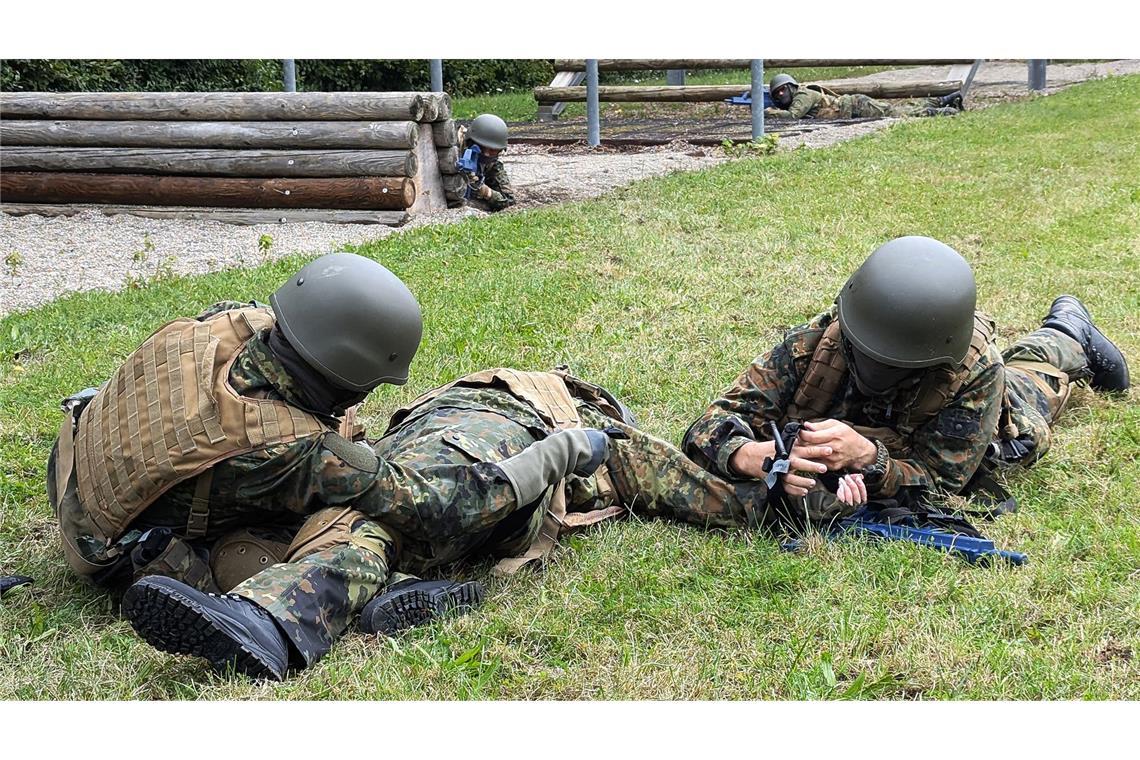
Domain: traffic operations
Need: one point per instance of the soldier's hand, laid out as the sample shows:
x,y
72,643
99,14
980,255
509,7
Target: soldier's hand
x,y
484,192
852,490
849,449
748,460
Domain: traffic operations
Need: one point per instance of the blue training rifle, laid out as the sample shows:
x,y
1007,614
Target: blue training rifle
x,y
974,550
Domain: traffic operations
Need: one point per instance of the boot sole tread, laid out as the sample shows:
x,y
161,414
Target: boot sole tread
x,y
169,621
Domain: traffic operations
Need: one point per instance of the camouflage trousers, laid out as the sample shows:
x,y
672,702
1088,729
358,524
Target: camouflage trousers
x,y
337,562
1039,372
652,478
864,106
325,584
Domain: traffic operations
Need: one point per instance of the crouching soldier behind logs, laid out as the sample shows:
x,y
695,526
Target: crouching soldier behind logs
x,y
902,382
213,452
480,146
794,101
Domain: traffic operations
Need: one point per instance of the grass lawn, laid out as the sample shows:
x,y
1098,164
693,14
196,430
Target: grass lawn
x,y
663,292
519,105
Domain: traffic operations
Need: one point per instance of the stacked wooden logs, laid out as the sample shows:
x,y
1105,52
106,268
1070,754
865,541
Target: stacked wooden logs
x,y
275,156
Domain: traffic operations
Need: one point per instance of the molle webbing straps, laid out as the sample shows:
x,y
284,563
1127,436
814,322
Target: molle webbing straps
x,y
940,385
545,391
822,378
169,414
595,395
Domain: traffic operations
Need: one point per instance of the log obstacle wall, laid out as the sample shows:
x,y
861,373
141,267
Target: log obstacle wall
x,y
352,156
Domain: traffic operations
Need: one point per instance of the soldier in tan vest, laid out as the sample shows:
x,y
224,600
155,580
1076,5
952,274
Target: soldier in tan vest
x,y
903,385
217,458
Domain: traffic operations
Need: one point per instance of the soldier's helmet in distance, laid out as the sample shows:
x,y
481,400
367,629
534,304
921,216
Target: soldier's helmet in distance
x,y
783,88
911,304
351,319
488,131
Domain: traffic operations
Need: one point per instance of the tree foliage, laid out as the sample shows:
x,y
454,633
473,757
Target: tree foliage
x,y
461,77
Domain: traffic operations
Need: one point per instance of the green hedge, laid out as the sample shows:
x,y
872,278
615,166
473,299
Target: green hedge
x,y
461,77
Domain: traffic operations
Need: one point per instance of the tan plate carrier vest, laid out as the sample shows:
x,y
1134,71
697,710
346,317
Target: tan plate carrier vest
x,y
169,414
552,395
939,385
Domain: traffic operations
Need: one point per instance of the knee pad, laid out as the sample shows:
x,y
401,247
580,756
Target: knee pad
x,y
240,555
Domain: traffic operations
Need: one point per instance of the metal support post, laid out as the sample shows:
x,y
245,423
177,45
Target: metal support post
x,y
290,71
437,75
675,77
757,98
1037,74
593,119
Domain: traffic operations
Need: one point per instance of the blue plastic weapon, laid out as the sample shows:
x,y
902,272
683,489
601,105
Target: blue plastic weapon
x,y
469,161
972,549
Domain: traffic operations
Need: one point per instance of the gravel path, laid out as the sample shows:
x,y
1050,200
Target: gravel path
x,y
44,258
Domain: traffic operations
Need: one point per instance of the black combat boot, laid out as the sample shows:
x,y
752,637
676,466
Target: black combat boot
x,y
1106,362
414,602
227,630
953,100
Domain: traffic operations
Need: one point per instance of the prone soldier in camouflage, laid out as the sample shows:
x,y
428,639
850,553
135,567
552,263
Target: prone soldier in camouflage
x,y
903,385
794,101
489,186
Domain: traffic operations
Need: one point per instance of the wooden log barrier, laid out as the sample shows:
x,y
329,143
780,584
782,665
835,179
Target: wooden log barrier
x,y
713,93
146,190
373,135
221,106
454,185
645,64
437,106
444,133
448,157
213,162
224,215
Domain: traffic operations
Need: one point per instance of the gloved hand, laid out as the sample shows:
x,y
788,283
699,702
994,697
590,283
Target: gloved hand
x,y
542,464
599,449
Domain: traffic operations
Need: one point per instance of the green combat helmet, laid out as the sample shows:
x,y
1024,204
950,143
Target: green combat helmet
x,y
910,305
351,319
488,131
783,97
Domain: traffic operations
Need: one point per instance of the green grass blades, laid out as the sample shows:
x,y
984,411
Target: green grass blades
x,y
664,291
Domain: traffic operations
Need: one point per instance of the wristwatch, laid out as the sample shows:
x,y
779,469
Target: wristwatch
x,y
878,468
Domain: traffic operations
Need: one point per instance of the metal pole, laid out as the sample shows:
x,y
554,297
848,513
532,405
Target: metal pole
x,y
757,98
970,79
675,77
290,74
594,133
1037,74
437,75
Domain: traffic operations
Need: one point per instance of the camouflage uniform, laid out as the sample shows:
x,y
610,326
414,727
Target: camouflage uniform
x,y
448,504
811,103
494,175
940,455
